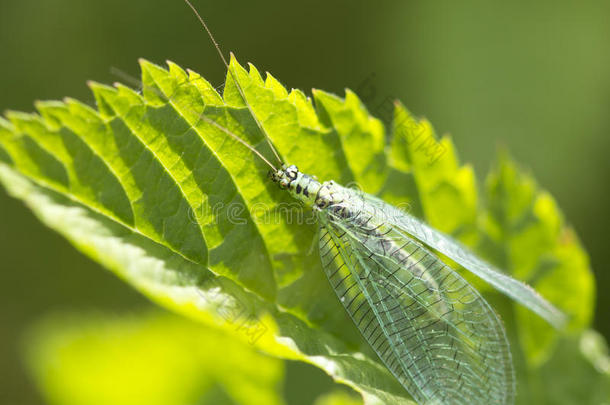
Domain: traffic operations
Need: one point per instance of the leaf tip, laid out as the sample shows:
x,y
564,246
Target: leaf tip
x,y
14,115
144,62
175,69
232,59
46,108
70,100
147,66
93,85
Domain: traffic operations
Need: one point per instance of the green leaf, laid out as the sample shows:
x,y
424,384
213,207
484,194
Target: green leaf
x,y
337,398
186,214
362,137
578,373
446,191
527,236
148,359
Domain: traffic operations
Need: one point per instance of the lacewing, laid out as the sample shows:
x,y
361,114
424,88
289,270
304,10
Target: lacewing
x,y
434,331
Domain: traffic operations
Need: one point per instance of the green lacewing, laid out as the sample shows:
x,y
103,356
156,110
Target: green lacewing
x,y
433,331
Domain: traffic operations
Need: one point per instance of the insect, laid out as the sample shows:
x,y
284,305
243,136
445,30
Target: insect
x,y
434,331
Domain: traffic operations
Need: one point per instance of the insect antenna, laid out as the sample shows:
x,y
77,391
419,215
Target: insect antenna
x,y
241,92
237,138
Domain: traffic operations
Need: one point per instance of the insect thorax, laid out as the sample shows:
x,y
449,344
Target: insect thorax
x,y
306,188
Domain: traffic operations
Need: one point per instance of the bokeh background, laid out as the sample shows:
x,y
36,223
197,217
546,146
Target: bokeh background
x,y
531,76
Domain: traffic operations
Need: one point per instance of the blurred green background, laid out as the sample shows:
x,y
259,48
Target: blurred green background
x,y
532,76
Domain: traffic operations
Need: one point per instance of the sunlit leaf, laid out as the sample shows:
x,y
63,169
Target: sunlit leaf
x,y
149,359
186,214
528,238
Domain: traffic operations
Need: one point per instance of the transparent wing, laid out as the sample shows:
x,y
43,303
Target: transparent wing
x,y
432,330
453,249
